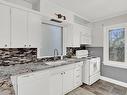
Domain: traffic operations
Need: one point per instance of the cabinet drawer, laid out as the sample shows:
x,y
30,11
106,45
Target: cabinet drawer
x,y
78,64
77,71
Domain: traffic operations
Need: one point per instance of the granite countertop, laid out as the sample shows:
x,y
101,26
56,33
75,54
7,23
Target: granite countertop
x,y
6,87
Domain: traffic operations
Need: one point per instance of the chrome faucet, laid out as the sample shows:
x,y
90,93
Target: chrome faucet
x,y
56,53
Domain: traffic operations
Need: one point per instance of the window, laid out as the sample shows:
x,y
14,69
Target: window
x,y
115,46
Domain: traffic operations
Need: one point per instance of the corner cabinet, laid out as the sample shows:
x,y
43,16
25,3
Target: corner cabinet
x,y
4,26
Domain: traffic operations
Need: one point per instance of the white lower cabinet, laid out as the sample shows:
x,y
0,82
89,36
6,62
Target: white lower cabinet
x,y
33,84
56,84
77,77
56,81
68,81
78,74
66,78
61,83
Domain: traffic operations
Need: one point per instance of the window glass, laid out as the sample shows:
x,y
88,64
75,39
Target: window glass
x,y
117,45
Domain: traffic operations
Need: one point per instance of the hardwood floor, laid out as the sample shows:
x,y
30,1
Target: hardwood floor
x,y
100,88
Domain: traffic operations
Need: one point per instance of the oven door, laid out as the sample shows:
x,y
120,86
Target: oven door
x,y
94,66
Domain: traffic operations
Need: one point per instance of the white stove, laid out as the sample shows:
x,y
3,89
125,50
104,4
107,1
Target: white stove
x,y
91,67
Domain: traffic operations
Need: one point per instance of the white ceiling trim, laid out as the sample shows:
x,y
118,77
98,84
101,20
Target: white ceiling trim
x,y
109,16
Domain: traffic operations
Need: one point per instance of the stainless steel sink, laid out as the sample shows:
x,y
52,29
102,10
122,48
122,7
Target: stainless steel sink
x,y
56,63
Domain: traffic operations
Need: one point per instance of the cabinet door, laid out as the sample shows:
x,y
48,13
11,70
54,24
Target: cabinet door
x,y
85,35
34,84
34,30
68,35
72,32
76,35
19,28
4,26
56,84
68,81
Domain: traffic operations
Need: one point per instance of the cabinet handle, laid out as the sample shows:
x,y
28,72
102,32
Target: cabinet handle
x,y
29,45
5,45
24,45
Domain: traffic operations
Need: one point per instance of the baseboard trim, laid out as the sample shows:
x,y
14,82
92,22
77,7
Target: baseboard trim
x,y
113,81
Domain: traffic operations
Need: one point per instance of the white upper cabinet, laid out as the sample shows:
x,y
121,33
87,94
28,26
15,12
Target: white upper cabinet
x,y
19,33
35,30
19,28
76,34
85,36
4,26
72,35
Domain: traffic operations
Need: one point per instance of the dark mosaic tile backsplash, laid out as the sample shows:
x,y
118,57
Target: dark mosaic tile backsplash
x,y
71,51
12,56
17,56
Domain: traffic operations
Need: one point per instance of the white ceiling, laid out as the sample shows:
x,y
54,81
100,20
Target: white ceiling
x,y
95,10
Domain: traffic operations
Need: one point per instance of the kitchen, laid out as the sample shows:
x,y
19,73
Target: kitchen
x,y
51,48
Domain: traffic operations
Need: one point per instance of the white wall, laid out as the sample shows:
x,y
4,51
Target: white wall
x,y
97,38
97,30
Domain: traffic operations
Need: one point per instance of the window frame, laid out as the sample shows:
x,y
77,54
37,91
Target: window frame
x,y
106,46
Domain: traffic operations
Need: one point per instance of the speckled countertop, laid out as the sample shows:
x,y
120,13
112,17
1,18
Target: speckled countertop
x,y
6,87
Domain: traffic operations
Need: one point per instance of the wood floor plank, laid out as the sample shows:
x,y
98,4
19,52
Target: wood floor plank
x,y
100,88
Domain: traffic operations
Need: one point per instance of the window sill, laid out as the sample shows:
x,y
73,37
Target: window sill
x,y
117,65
